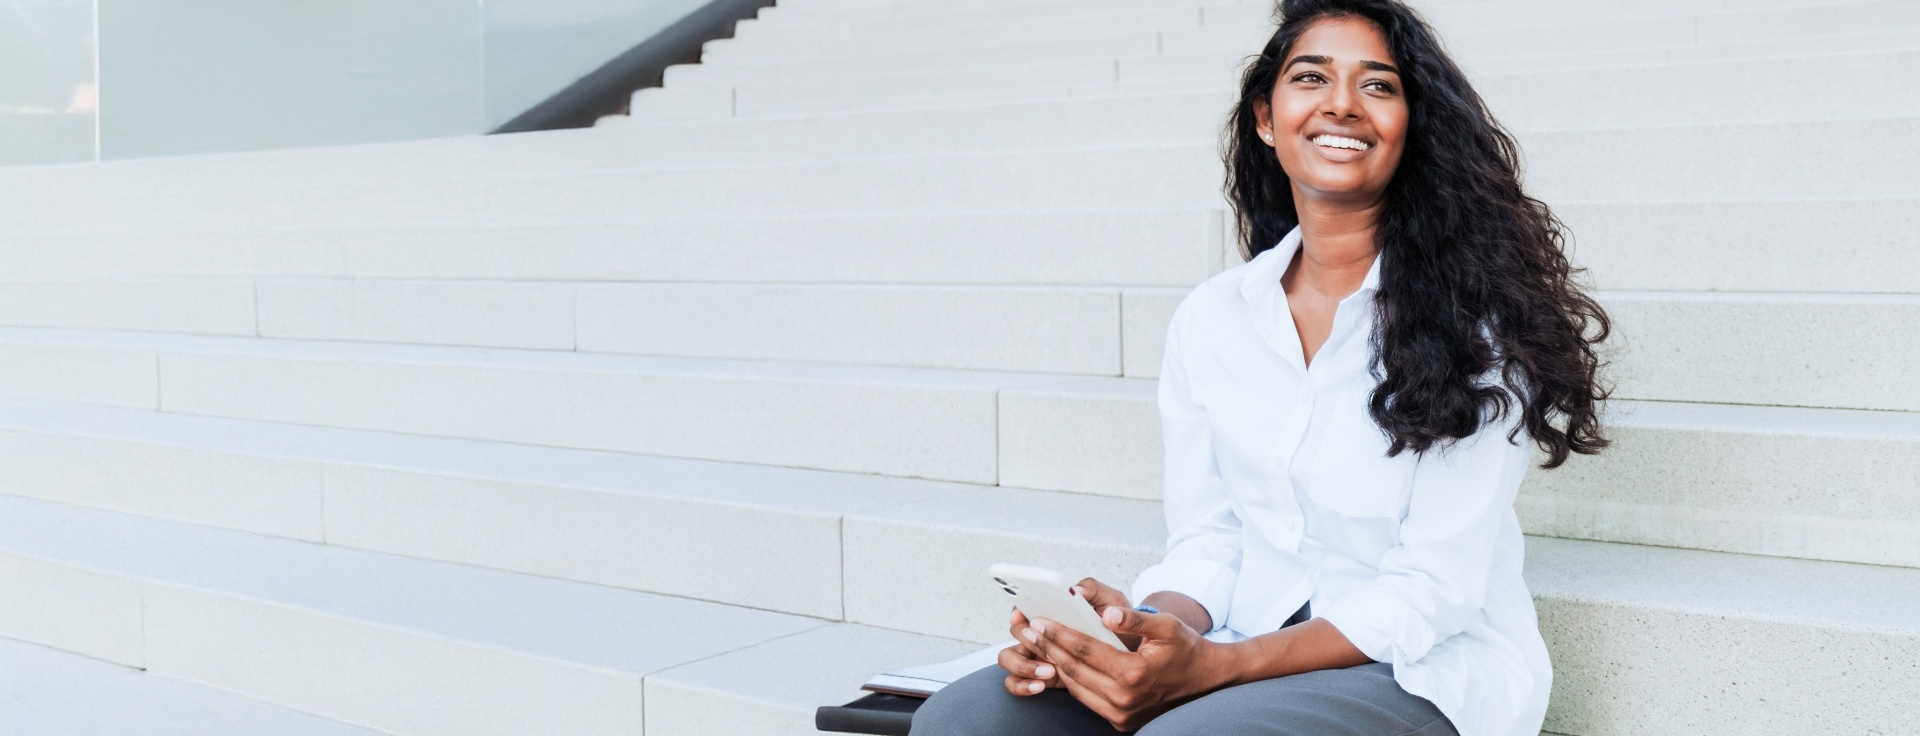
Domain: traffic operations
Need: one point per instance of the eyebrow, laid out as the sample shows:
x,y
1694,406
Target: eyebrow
x,y
1316,59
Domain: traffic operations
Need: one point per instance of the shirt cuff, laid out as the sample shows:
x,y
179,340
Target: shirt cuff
x,y
1380,625
1207,582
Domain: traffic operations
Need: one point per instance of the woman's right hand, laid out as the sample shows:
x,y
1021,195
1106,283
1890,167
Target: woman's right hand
x,y
1028,674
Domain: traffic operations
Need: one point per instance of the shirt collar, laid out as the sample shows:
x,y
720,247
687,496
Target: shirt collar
x,y
1265,270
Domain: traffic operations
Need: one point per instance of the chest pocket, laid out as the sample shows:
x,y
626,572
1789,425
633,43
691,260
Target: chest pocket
x,y
1351,474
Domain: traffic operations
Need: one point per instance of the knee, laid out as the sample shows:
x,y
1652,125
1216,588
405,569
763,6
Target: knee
x,y
971,706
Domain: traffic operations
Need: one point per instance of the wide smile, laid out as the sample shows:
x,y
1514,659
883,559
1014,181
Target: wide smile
x,y
1339,148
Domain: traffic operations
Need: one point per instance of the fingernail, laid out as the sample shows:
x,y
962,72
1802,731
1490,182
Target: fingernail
x,y
1113,616
1034,687
1043,671
1030,634
1040,627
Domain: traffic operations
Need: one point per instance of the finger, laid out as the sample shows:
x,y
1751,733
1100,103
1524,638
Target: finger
x,y
1127,621
1101,595
1025,666
1020,688
1076,655
1017,623
1017,667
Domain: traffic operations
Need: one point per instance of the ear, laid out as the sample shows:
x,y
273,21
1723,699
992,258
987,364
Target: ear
x,y
1263,120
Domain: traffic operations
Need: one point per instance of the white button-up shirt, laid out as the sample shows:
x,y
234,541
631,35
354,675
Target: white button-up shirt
x,y
1279,492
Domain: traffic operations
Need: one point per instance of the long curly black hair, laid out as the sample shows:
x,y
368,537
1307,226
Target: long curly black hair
x,y
1474,272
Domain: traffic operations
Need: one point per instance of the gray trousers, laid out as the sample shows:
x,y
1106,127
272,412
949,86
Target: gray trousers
x,y
1357,701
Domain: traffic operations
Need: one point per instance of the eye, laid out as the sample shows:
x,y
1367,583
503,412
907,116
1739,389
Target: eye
x,y
1379,85
1310,77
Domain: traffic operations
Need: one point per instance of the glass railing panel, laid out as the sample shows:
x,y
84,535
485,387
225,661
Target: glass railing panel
x,y
189,76
48,92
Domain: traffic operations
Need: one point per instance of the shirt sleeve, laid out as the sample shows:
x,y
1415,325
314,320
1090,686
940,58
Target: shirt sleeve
x,y
1203,544
1434,584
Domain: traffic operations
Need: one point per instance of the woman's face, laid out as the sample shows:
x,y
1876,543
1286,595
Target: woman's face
x,y
1337,119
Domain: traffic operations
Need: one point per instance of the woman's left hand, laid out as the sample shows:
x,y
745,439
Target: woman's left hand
x,y
1172,664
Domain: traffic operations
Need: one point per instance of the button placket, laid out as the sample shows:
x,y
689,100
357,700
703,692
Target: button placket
x,y
1288,524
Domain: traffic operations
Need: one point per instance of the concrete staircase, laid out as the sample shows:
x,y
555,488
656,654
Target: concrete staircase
x,y
688,423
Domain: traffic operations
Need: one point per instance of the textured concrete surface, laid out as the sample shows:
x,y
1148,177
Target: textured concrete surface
x,y
1032,330
1701,642
1099,436
665,525
533,316
54,693
364,637
1814,483
922,567
773,688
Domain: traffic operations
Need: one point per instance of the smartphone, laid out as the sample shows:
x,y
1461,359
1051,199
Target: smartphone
x,y
1043,593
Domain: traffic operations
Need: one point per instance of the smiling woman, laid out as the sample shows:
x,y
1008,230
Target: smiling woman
x,y
1347,418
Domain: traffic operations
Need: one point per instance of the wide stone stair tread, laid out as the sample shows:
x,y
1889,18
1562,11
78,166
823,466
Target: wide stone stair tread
x,y
367,638
46,692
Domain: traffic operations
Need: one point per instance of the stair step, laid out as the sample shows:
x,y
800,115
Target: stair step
x,y
1645,639
1707,347
654,524
1822,617
1097,436
1565,168
1811,483
799,39
1519,93
54,693
1153,177
1154,247
1657,246
404,646
892,421
1631,42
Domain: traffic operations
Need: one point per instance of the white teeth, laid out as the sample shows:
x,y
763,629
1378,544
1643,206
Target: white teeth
x,y
1334,141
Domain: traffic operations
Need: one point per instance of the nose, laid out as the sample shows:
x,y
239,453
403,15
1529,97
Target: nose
x,y
1340,103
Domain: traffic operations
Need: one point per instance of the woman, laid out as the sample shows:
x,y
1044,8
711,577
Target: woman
x,y
1347,420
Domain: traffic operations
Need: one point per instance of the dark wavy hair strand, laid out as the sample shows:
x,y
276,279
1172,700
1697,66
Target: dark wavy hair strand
x,y
1475,273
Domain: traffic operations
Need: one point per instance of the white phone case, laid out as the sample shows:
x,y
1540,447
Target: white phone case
x,y
1043,593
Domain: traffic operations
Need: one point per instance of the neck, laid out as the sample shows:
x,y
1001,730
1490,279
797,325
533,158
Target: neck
x,y
1337,246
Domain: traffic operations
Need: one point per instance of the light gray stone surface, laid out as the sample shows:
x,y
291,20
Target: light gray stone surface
x,y
1146,314
407,646
923,423
679,527
520,315
1813,483
923,567
81,374
1841,351
200,306
1647,639
1034,330
276,496
773,688
54,693
1096,435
